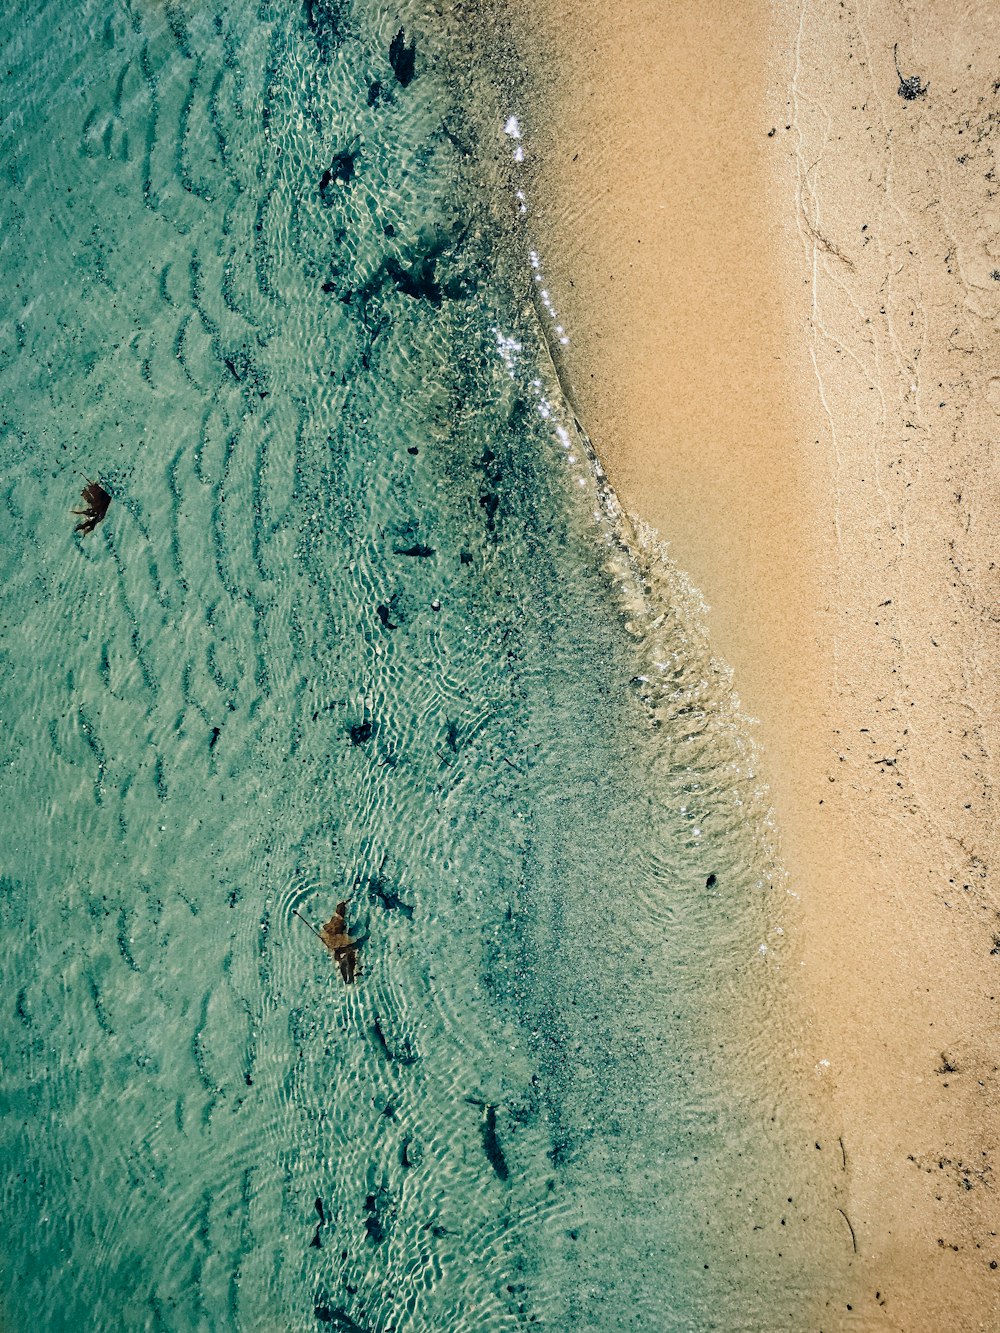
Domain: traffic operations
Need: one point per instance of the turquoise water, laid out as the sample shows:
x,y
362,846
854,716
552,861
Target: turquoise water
x,y
264,291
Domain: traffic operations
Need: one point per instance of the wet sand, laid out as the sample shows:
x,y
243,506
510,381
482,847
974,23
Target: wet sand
x,y
781,279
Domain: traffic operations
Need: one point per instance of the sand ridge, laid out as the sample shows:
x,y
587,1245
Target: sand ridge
x,y
772,235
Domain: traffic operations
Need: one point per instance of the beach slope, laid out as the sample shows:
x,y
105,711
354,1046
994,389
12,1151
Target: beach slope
x,y
771,235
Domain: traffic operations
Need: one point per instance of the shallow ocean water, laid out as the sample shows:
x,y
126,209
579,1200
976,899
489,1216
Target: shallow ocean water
x,y
258,287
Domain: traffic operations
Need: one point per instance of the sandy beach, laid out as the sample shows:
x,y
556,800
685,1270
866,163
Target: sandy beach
x,y
772,237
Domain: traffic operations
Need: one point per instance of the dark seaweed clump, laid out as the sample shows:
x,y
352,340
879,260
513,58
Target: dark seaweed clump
x,y
402,58
379,1214
491,1144
325,21
338,1318
418,281
338,173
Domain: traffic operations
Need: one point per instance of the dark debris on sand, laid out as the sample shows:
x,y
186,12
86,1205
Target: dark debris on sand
x,y
910,87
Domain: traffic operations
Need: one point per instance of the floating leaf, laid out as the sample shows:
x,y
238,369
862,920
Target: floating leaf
x,y
341,944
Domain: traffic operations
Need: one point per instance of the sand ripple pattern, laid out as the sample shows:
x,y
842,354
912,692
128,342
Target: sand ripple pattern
x,y
350,630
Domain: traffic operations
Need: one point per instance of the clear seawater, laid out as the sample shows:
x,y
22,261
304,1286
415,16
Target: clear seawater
x,y
564,1091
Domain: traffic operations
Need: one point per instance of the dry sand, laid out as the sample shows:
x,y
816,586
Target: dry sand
x,y
782,280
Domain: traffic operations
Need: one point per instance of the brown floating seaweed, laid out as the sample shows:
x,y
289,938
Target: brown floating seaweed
x,y
96,500
343,946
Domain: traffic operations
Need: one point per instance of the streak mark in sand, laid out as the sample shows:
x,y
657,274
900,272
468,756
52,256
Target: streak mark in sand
x,y
811,248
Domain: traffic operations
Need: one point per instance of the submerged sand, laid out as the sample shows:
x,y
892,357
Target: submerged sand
x,y
774,238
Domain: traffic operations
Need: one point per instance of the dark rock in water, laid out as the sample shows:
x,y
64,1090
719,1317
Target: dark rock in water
x,y
418,281
490,503
324,1314
338,173
412,450
360,732
466,557
382,612
319,1208
213,739
374,93
316,1243
402,58
388,230
418,551
712,880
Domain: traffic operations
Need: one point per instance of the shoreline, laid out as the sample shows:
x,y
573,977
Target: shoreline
x,y
719,259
